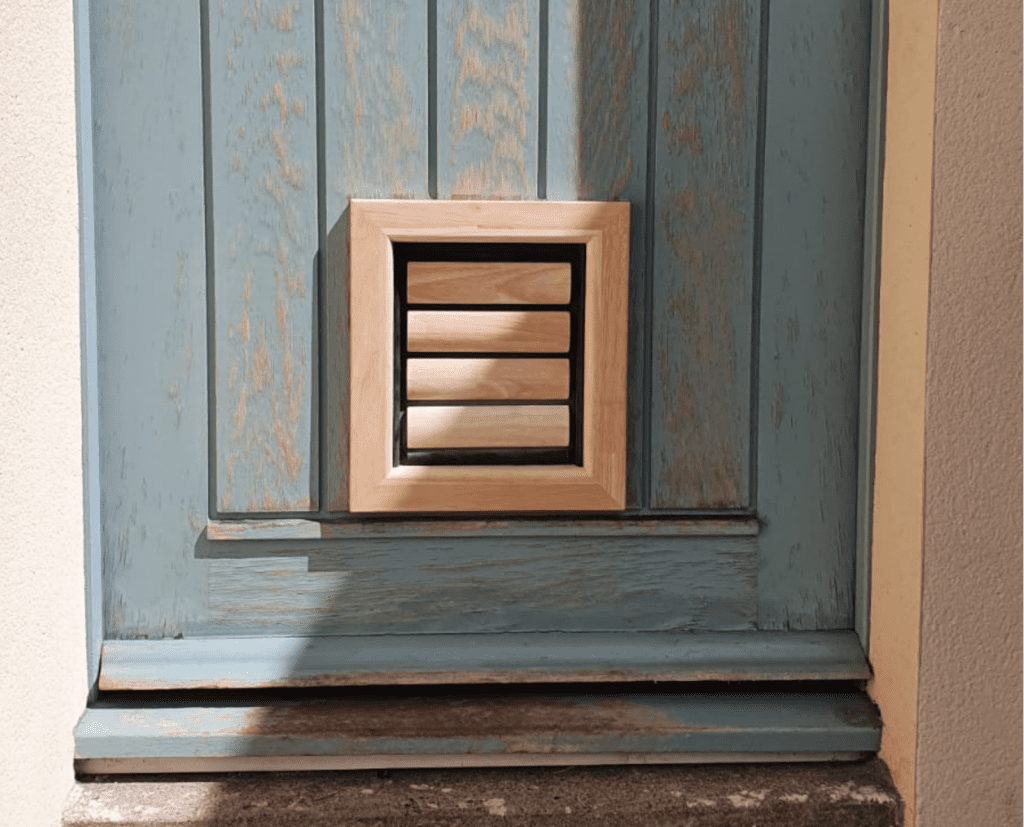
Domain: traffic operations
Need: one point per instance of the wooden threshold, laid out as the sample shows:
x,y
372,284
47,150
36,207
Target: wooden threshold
x,y
476,730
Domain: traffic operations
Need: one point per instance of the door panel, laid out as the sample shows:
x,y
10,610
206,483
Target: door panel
x,y
736,135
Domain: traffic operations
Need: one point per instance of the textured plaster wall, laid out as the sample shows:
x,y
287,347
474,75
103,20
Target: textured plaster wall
x,y
969,706
902,340
42,649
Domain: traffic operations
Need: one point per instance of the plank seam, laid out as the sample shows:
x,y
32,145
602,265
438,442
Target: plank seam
x,y
432,98
211,333
648,259
755,288
542,101
319,409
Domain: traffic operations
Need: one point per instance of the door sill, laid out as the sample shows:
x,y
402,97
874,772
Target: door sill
x,y
378,729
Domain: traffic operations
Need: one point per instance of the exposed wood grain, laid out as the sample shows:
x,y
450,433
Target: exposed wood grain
x,y
375,130
263,127
597,148
430,379
469,282
452,331
810,320
703,254
490,426
151,310
487,98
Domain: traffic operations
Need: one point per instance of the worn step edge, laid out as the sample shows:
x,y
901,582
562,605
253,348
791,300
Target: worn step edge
x,y
548,657
484,730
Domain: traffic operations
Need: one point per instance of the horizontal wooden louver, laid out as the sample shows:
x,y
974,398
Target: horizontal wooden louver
x,y
502,282
508,301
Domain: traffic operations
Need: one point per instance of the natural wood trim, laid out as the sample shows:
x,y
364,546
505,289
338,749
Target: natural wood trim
x,y
470,282
488,378
375,484
481,331
488,426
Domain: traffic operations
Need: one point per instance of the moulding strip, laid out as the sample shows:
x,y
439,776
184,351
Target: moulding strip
x,y
534,657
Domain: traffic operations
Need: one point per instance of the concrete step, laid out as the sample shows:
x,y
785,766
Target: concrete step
x,y
841,794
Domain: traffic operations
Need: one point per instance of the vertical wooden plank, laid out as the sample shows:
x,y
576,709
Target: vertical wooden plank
x,y
487,119
704,208
597,117
264,173
375,128
811,287
150,313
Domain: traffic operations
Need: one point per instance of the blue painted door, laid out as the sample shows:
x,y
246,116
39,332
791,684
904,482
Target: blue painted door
x,y
228,138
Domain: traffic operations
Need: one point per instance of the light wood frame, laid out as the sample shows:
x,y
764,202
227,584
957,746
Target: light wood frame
x,y
375,483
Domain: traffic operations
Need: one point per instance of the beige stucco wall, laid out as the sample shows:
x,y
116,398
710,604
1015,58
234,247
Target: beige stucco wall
x,y
902,340
946,556
42,647
969,702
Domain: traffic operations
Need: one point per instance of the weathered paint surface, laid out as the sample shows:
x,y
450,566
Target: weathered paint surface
x,y
497,585
810,321
263,165
487,68
375,126
597,150
703,253
151,299
550,657
842,721
240,530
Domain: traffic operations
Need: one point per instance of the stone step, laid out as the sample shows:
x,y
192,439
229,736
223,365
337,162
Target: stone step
x,y
838,794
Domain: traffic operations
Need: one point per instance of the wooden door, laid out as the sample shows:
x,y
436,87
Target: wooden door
x,y
228,138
